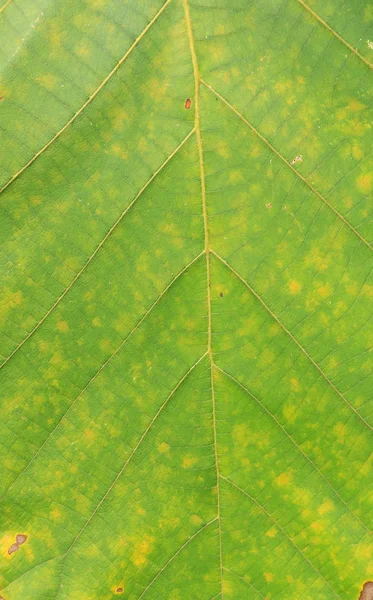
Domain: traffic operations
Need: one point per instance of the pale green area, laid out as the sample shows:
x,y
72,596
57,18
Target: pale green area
x,y
185,304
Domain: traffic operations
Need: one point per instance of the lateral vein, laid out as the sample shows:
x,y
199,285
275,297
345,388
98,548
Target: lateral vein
x,y
92,96
89,260
267,143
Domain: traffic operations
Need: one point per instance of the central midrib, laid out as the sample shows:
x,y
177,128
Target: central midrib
x,y
197,125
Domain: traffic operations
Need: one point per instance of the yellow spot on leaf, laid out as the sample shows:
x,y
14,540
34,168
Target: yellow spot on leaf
x,y
355,105
326,507
163,447
49,81
196,520
62,326
272,532
283,479
364,182
295,384
141,551
189,461
324,290
235,177
295,287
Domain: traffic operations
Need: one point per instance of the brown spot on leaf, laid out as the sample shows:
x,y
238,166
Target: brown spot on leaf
x,y
188,103
367,591
119,590
296,159
221,294
13,548
21,538
268,205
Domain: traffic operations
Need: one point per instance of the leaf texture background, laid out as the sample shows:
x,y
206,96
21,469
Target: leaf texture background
x,y
185,311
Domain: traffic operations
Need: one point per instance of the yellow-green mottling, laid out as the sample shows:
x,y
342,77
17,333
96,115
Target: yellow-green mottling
x,y
186,292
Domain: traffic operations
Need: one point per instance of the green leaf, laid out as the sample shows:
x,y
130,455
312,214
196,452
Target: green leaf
x,y
185,310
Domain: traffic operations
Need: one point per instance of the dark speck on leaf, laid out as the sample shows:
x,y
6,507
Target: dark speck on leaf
x,y
188,103
221,294
120,590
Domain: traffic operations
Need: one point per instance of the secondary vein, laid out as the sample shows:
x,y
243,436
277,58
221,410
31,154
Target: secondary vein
x,y
267,143
92,96
91,257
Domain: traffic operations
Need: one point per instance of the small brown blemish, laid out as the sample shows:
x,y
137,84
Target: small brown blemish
x,y
296,159
13,548
221,294
268,205
119,590
21,538
188,103
367,591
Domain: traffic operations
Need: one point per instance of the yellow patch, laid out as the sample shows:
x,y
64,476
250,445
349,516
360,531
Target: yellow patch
x,y
223,149
283,479
196,520
35,200
355,105
235,177
340,429
189,461
325,290
326,507
289,412
49,81
227,587
317,526
295,287
16,298
96,322
220,29
364,182
141,551
163,447
62,326
82,50
364,551
272,532
357,153
295,384
268,577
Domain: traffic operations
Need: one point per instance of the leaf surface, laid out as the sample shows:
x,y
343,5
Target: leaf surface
x,y
185,310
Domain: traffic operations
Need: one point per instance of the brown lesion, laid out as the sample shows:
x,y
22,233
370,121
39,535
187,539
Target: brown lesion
x,y
20,539
367,591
